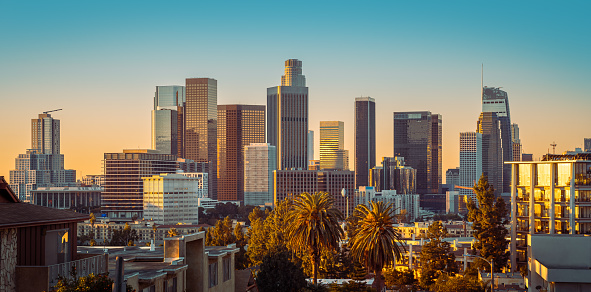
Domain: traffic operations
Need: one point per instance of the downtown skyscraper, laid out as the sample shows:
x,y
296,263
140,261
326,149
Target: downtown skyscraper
x,y
201,125
239,125
494,124
470,161
287,118
333,156
168,123
365,139
417,138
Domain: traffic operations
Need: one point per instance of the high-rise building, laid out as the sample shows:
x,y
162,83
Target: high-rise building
x,y
239,125
171,199
516,142
497,146
332,154
365,139
452,177
310,145
259,163
201,125
43,164
551,196
290,183
287,118
417,138
408,203
470,161
587,145
394,175
168,123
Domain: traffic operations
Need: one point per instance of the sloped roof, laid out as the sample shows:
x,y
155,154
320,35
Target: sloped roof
x,y
23,214
6,194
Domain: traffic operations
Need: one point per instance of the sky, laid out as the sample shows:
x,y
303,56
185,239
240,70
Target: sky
x,y
100,61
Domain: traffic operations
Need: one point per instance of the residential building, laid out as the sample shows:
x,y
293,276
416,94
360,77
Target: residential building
x,y
365,139
259,163
43,164
287,117
470,161
516,142
290,183
497,146
37,244
239,125
171,199
333,156
552,196
79,199
93,180
402,203
417,138
201,119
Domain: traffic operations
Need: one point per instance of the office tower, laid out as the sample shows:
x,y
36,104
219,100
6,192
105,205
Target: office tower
x,y
287,118
365,139
239,125
290,183
417,138
516,142
201,125
452,177
587,145
495,126
549,197
170,199
43,164
401,202
93,179
527,157
470,161
332,154
310,145
394,175
122,197
260,160
168,121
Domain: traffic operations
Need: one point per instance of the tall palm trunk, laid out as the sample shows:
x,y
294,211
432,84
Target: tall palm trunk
x,y
378,280
315,270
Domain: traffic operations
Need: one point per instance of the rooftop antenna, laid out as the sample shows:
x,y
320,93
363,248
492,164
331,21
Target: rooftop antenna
x,y
553,147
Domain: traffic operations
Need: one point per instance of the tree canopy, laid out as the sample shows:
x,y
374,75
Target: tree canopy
x,y
278,273
436,256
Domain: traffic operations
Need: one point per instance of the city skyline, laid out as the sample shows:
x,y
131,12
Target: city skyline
x,y
103,78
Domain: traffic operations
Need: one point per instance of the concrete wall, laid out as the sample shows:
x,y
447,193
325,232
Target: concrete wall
x,y
8,252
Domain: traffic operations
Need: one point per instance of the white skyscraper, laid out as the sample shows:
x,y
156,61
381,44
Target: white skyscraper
x,y
259,162
470,160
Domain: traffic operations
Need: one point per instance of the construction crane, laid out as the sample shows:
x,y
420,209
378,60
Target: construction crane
x,y
55,110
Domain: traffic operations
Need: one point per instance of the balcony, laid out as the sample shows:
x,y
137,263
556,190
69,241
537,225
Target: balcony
x,y
47,276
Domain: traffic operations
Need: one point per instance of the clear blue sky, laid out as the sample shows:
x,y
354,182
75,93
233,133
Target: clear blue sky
x,y
100,62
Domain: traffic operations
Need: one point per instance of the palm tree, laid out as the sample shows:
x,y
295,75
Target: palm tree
x,y
313,225
376,243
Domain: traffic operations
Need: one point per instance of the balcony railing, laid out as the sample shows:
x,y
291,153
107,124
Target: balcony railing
x,y
84,267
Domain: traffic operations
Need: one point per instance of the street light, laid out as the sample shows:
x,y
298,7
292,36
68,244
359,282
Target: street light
x,y
492,268
344,194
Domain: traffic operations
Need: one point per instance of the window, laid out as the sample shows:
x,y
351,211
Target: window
x,y
213,274
227,263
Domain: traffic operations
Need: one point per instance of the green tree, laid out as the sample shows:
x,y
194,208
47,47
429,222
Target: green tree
x,y
278,273
400,280
376,242
241,261
90,283
221,234
489,218
266,235
123,237
314,226
92,242
458,283
436,256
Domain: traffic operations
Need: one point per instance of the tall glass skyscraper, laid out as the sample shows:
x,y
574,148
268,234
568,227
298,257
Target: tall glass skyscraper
x,y
470,161
417,138
332,154
260,160
287,118
239,125
168,120
365,139
201,125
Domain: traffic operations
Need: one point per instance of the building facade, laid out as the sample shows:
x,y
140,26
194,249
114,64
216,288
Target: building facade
x,y
201,125
238,126
80,199
93,180
394,175
516,142
259,163
470,161
365,139
452,177
168,129
291,183
402,203
587,144
171,199
417,138
287,118
333,156
552,196
310,145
